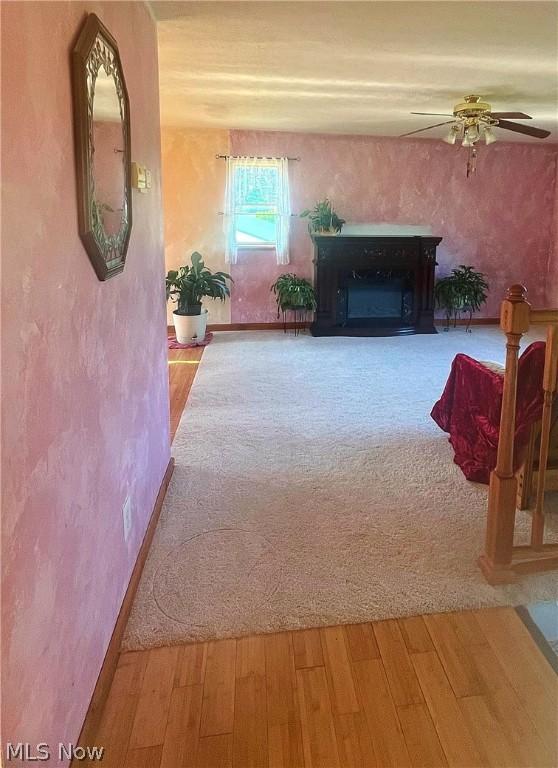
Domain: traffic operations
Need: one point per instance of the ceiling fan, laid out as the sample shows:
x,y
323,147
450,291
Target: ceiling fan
x,y
473,120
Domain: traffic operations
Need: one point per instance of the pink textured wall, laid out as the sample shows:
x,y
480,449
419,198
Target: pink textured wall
x,y
84,377
193,190
500,220
552,290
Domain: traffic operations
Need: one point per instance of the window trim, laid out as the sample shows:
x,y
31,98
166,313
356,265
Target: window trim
x,y
255,247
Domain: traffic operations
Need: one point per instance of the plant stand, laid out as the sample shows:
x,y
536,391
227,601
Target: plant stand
x,y
453,323
297,315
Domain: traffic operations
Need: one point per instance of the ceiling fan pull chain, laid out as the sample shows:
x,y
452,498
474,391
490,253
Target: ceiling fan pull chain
x,y
471,161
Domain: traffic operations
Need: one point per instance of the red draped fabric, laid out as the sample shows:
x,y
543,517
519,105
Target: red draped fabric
x,y
469,410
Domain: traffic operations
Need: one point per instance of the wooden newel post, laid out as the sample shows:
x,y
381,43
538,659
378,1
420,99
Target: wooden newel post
x,y
495,562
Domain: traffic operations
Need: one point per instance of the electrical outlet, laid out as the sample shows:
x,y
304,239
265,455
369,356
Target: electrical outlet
x,y
127,518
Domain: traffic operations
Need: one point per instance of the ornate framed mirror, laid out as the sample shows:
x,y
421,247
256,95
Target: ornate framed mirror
x,y
103,154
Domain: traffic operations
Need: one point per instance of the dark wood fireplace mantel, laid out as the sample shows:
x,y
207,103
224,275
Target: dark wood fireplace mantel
x,y
374,285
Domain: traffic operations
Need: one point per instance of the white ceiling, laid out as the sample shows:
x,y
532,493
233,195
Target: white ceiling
x,y
354,67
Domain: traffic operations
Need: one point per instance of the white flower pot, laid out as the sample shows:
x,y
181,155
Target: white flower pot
x,y
190,328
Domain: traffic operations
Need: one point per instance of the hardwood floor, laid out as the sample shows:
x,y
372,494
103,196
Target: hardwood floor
x,y
459,689
183,364
463,689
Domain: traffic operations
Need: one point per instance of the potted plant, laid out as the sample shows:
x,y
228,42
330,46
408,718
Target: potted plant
x,y
465,290
292,292
322,219
187,286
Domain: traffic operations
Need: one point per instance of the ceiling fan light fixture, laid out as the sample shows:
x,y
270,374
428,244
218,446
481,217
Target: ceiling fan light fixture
x,y
489,136
473,133
452,134
467,140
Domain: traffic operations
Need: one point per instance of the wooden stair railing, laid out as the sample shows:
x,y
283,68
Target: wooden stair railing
x,y
528,473
501,562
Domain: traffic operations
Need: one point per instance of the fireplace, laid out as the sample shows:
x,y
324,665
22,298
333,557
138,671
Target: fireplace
x,y
374,286
374,297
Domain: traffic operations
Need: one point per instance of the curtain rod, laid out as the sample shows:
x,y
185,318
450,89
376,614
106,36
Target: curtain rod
x,y
225,157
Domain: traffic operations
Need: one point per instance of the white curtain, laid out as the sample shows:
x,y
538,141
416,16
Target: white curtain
x,y
283,220
237,189
231,251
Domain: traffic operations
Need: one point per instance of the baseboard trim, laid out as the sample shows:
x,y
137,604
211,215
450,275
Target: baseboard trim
x,y
474,321
279,326
104,681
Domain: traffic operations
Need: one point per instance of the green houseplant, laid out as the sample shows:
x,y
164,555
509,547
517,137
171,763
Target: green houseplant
x,y
322,219
464,290
187,286
292,292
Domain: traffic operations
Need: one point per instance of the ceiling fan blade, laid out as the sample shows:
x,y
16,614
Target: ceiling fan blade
x,y
512,115
434,114
528,130
428,127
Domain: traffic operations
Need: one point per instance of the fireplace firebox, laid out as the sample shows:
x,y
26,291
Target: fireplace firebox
x,y
374,297
374,286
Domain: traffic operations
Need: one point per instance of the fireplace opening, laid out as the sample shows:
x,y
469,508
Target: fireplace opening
x,y
374,299
384,296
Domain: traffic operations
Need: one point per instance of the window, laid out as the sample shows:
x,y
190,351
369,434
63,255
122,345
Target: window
x,y
256,204
257,208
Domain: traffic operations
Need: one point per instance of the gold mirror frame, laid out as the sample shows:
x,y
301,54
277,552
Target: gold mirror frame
x,y
96,48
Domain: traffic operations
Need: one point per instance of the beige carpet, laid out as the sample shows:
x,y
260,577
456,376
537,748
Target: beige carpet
x,y
311,488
